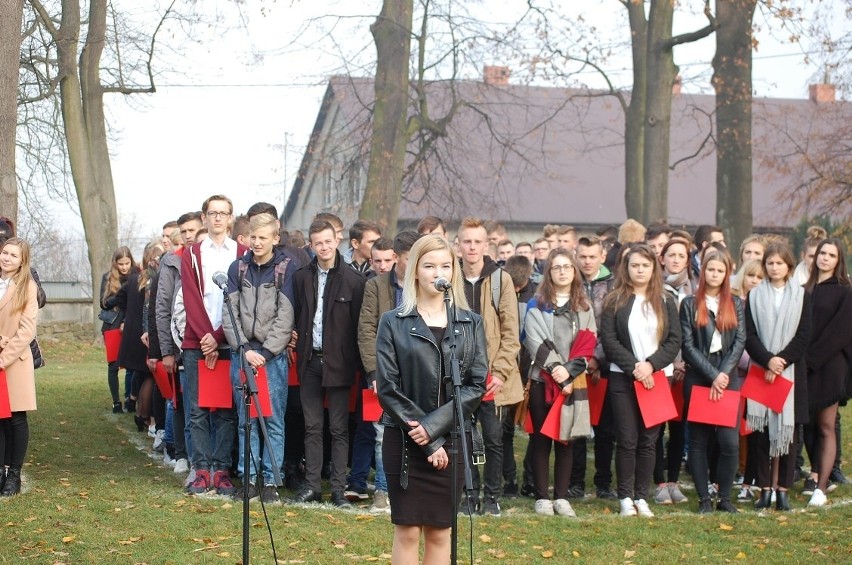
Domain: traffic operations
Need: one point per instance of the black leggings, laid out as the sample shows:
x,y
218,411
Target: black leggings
x,y
14,439
758,443
541,450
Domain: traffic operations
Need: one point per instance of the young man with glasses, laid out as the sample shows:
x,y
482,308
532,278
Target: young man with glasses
x,y
204,341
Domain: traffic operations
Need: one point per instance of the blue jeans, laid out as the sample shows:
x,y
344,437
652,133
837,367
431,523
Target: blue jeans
x,y
276,376
184,406
381,480
212,431
169,437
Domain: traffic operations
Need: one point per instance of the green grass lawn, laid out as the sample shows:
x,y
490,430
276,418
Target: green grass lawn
x,y
94,495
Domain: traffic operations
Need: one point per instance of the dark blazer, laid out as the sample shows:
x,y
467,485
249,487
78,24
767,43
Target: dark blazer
x,y
696,347
615,337
831,342
344,293
409,373
793,352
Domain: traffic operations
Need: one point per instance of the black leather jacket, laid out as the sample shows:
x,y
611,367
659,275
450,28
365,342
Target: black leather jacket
x,y
409,377
696,345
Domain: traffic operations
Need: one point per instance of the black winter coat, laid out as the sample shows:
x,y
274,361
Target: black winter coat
x,y
344,293
409,374
131,301
696,348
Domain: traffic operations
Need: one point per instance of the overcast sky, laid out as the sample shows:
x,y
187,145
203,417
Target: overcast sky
x,y
237,119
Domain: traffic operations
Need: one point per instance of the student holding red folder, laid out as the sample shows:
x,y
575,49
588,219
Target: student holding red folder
x,y
778,327
713,326
640,334
559,310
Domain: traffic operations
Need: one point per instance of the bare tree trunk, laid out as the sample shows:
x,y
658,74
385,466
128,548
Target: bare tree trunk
x,y
658,112
634,127
392,34
732,67
81,97
11,14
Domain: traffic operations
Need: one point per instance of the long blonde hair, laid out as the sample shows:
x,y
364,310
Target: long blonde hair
x,y
23,277
421,247
150,263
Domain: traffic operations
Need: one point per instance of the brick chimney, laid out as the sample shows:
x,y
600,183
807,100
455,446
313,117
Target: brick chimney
x,y
496,75
822,93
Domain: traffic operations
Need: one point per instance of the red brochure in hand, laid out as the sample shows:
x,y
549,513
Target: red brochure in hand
x,y
553,421
164,382
489,396
597,395
722,412
293,370
772,395
112,343
370,408
262,393
214,387
5,407
744,429
656,404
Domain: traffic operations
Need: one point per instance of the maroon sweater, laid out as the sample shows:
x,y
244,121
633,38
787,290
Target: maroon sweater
x,y
192,281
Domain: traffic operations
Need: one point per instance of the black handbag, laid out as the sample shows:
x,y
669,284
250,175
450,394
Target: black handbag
x,y
38,358
108,316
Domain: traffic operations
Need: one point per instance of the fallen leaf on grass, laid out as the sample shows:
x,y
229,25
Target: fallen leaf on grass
x,y
485,538
547,554
740,555
725,527
68,539
575,553
629,553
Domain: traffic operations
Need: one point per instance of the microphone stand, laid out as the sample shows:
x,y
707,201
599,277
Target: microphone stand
x,y
457,431
249,389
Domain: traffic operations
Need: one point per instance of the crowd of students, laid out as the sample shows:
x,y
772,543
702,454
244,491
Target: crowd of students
x,y
656,298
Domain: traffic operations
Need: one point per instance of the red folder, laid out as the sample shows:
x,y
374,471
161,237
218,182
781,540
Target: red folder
x,y
292,370
262,393
214,387
164,382
5,407
489,396
772,395
597,395
550,427
370,408
722,412
112,342
677,396
656,404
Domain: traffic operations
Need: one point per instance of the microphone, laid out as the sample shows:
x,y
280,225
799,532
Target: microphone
x,y
442,285
220,279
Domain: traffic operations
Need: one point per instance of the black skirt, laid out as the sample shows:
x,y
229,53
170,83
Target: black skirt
x,y
427,500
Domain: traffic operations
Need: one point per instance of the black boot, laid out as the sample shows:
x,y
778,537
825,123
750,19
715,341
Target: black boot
x,y
2,477
765,500
724,505
782,500
12,486
705,506
116,408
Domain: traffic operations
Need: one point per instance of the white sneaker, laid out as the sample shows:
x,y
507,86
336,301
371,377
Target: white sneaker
x,y
642,508
563,508
181,466
190,478
152,431
818,498
627,507
544,506
662,494
159,443
167,460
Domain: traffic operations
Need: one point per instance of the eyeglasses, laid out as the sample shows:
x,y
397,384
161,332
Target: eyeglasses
x,y
561,268
218,215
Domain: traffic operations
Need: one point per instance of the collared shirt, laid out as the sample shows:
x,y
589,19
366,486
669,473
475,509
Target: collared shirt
x,y
214,260
322,278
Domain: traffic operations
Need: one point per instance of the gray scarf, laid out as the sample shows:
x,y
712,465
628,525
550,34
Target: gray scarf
x,y
776,329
